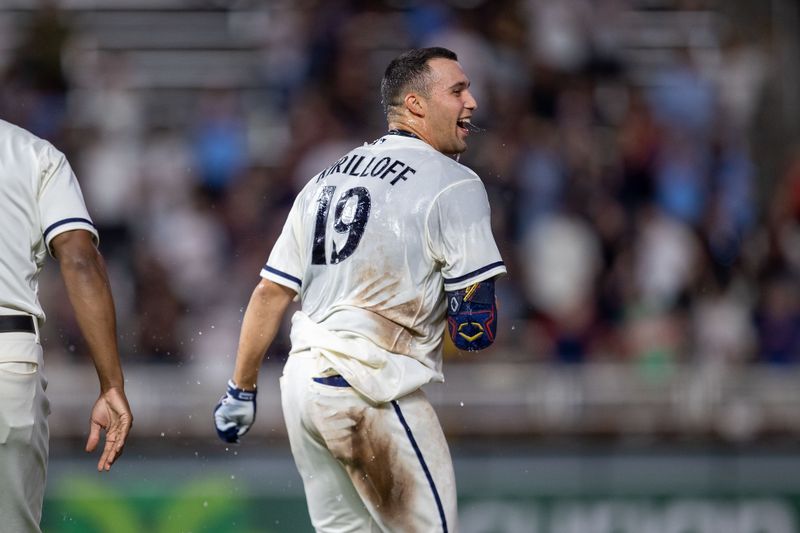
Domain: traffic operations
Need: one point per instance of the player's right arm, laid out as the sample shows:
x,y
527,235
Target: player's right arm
x,y
280,283
236,410
261,321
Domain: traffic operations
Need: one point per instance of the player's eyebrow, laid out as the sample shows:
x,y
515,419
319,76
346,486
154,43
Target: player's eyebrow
x,y
460,85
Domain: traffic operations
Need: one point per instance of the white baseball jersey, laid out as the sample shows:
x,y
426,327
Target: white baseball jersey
x,y
370,245
39,199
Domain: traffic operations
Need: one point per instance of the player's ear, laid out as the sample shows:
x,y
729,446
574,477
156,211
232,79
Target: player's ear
x,y
415,104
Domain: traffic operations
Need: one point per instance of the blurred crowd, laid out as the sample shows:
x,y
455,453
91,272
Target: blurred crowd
x,y
636,216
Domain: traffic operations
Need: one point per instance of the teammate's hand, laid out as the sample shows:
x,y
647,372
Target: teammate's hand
x,y
112,413
235,413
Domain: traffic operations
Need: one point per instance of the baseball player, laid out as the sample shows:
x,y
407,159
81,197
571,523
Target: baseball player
x,y
387,249
41,211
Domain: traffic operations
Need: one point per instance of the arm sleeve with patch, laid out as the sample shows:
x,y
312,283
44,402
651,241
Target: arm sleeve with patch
x,y
472,316
461,240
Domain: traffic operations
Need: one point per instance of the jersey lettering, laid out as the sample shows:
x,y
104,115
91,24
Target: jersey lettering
x,y
349,217
385,167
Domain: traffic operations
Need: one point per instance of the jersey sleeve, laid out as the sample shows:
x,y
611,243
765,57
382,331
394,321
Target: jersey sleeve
x,y
460,235
285,265
61,204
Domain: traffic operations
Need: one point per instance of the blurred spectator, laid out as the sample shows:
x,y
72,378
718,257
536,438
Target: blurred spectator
x,y
219,143
778,321
681,176
722,328
636,213
36,81
666,260
740,80
560,255
159,311
683,99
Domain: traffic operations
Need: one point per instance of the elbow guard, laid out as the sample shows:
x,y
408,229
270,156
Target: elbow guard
x,y
472,316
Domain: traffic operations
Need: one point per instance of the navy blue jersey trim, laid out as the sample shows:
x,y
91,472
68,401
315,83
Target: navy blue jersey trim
x,y
333,381
474,272
65,221
422,462
402,133
282,274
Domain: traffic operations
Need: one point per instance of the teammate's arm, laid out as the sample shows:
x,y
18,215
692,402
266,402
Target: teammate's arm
x,y
86,280
472,316
235,412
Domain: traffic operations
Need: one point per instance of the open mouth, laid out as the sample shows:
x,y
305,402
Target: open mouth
x,y
467,126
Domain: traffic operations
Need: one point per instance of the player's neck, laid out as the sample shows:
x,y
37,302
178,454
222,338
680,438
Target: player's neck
x,y
407,130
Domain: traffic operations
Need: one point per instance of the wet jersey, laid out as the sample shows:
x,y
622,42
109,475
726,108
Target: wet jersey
x,y
39,199
371,244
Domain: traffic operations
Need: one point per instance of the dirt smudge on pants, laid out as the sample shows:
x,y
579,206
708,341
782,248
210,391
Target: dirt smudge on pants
x,y
371,459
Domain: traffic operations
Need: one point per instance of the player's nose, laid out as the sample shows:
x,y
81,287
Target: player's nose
x,y
469,101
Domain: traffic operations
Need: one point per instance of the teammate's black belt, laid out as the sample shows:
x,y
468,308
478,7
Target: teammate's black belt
x,y
333,381
17,323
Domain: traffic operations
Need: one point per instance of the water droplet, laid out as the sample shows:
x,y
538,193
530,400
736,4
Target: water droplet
x,y
461,404
205,504
162,433
233,477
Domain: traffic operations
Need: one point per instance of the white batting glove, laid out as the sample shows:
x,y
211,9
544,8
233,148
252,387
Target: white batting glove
x,y
235,413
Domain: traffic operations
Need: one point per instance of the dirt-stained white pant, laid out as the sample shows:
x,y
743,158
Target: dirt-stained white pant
x,y
24,434
366,467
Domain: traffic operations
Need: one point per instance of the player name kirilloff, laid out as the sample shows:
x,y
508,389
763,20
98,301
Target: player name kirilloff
x,y
384,167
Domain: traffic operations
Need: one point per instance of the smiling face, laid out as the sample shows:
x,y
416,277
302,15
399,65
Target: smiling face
x,y
447,107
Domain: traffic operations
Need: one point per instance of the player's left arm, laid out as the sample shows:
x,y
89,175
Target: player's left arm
x,y
472,316
460,239
236,410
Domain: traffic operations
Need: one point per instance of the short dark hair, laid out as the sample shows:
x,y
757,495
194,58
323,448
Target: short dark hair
x,y
407,71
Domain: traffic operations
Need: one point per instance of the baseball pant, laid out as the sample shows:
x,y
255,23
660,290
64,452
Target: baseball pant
x,y
366,467
24,434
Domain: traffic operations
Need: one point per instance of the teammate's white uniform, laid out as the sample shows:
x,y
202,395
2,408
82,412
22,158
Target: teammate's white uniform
x,y
39,199
370,245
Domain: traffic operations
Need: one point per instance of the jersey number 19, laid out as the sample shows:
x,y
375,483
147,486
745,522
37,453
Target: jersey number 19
x,y
350,216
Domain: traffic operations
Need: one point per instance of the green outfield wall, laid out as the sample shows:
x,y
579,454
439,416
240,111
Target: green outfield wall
x,y
500,493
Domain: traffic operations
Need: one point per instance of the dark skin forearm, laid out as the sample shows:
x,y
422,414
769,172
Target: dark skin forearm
x,y
85,277
86,280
